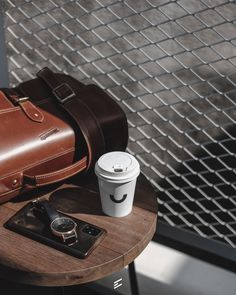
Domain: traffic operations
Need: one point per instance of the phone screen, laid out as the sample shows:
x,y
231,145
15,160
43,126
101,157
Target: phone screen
x,y
26,222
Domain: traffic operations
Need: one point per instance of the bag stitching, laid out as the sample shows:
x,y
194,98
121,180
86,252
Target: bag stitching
x,y
38,163
80,162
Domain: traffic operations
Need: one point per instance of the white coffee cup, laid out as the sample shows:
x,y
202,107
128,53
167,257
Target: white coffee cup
x,y
117,173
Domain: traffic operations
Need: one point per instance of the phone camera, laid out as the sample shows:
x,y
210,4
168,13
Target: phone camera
x,y
92,231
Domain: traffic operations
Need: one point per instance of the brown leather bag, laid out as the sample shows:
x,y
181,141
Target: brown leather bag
x,y
52,128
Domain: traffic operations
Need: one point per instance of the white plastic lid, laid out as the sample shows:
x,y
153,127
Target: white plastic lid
x,y
117,166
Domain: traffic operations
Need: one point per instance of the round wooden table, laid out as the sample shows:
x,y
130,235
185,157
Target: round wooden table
x,y
27,261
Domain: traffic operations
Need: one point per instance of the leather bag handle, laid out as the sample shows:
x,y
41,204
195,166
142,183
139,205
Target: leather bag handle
x,y
48,178
80,113
85,121
51,177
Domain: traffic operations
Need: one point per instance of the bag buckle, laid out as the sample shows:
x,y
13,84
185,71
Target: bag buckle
x,y
63,92
22,99
16,100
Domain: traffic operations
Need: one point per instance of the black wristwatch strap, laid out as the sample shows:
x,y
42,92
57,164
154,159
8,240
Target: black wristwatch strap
x,y
48,210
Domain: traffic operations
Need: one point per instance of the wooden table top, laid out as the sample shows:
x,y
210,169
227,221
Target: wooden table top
x,y
27,261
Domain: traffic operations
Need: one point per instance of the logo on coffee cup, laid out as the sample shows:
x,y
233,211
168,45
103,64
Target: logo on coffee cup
x,y
119,200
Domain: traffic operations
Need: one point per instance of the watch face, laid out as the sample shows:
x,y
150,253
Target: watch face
x,y
63,225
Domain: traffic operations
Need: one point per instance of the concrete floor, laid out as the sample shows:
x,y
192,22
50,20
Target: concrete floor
x,y
171,272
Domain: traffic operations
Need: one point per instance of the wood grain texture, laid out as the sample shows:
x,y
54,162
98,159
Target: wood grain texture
x,y
26,261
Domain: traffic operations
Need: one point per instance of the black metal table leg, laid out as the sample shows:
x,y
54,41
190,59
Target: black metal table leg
x,y
62,290
133,279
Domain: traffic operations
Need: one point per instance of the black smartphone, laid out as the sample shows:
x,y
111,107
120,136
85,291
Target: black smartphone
x,y
28,223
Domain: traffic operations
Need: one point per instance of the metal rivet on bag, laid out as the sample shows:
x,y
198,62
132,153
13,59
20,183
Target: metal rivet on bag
x,y
36,115
15,181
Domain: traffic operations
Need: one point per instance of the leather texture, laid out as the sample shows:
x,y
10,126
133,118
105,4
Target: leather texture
x,y
83,117
54,127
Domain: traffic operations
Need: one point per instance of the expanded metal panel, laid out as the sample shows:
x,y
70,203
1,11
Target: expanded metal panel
x,y
171,65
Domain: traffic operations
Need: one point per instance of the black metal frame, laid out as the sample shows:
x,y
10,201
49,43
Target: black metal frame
x,y
133,279
4,80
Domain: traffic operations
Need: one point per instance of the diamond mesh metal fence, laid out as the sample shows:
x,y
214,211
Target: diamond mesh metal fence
x,y
171,65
